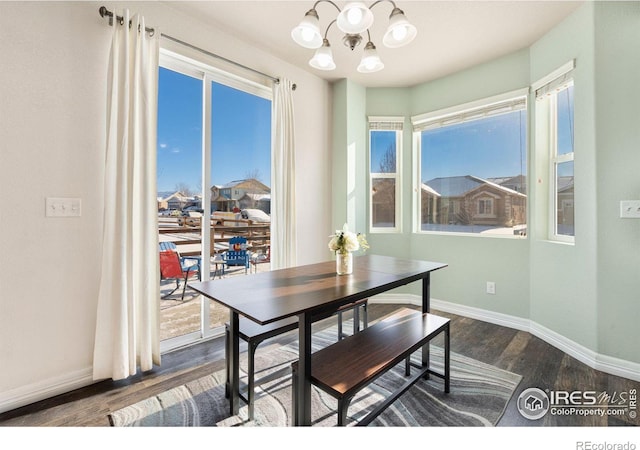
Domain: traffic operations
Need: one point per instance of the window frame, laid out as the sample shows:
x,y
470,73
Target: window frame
x,y
443,117
546,93
386,123
207,73
556,160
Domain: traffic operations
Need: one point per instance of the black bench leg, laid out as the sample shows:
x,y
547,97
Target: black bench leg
x,y
407,365
294,393
365,319
340,334
343,406
227,351
356,319
447,360
252,377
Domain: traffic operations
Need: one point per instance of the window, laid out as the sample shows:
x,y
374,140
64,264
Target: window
x,y
562,163
214,154
471,168
485,207
385,139
555,131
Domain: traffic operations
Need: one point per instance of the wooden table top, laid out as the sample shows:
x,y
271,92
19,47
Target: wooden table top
x,y
271,296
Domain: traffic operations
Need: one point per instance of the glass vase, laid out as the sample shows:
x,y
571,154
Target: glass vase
x,y
344,263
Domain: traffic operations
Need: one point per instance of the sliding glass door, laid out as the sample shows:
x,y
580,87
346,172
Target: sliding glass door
x,y
214,173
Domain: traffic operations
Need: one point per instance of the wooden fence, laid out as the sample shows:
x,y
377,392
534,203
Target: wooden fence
x,y
188,236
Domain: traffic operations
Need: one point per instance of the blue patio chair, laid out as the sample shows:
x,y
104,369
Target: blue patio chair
x,y
176,267
237,254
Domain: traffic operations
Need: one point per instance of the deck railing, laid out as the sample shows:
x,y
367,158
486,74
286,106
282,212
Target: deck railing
x,y
187,235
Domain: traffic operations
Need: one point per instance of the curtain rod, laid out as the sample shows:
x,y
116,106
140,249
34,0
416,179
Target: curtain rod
x,y
104,12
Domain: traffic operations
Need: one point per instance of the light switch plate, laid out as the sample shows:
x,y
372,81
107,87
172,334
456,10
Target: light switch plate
x,y
630,209
63,207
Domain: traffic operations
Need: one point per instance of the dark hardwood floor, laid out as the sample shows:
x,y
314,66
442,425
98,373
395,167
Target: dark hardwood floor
x,y
540,365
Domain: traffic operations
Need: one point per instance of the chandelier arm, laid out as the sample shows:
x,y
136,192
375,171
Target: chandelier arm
x,y
328,1
380,1
329,26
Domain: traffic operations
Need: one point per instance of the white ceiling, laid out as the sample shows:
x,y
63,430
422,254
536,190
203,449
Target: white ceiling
x,y
452,35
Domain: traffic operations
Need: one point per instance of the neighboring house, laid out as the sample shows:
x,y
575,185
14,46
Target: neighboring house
x,y
517,183
565,205
429,207
465,200
256,201
249,193
162,204
177,200
383,201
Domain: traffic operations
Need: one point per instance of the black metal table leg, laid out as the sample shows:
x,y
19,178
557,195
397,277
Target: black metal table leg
x,y
234,364
303,396
426,307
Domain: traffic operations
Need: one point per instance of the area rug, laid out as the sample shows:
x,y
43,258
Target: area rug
x,y
479,395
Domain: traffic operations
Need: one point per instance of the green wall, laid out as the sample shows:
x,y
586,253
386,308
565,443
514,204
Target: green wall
x,y
617,70
589,292
349,156
563,277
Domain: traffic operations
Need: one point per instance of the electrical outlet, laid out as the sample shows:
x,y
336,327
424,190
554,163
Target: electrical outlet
x,y
63,207
491,287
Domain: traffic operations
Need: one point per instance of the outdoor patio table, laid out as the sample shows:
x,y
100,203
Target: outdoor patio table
x,y
306,292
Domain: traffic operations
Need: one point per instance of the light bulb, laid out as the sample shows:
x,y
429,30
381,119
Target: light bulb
x,y
370,61
354,15
307,34
323,60
354,18
399,33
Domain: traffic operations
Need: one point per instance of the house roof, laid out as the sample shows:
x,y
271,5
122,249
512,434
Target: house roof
x,y
429,189
178,196
258,197
458,186
565,183
251,185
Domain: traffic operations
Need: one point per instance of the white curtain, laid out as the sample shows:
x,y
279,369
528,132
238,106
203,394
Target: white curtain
x,y
283,180
127,327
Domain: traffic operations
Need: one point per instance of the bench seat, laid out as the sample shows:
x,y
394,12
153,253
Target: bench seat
x,y
254,334
345,367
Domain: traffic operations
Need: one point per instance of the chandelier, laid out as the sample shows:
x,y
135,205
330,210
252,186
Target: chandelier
x,y
353,20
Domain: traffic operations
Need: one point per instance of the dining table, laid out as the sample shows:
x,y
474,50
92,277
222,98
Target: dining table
x,y
308,291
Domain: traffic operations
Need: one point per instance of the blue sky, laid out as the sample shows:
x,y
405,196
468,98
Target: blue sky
x,y
241,133
488,148
491,147
241,138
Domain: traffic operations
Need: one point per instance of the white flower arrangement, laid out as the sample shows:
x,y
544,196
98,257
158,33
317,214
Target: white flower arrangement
x,y
345,241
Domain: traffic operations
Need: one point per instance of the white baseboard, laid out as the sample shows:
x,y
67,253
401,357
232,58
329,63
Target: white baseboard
x,y
35,392
604,363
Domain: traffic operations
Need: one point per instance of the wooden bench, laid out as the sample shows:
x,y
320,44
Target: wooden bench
x,y
344,368
254,334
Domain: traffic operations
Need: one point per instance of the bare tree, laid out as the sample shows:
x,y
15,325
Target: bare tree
x,y
254,174
184,188
388,162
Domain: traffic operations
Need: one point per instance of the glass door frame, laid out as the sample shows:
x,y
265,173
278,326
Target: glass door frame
x,y
208,75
